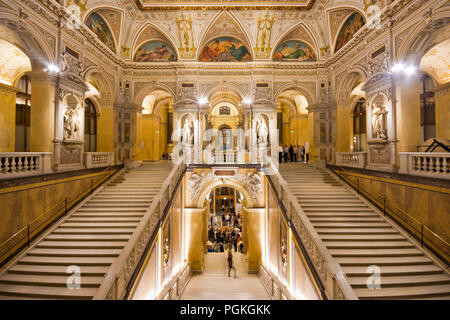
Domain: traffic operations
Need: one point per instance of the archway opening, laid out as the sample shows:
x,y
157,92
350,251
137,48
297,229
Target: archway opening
x,y
225,220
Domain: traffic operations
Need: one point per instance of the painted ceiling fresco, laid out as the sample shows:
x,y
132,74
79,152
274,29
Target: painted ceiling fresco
x,y
124,26
348,29
294,50
98,25
13,63
155,51
436,62
225,49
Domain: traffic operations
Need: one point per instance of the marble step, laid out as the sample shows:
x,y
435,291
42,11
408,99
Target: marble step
x,y
63,252
20,291
368,244
49,281
383,261
408,292
67,261
404,281
81,244
408,270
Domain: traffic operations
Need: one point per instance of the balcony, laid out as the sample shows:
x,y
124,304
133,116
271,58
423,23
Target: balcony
x,y
24,164
426,164
352,159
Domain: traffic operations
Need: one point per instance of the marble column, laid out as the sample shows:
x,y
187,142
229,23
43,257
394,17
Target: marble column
x,y
194,228
344,125
7,117
42,122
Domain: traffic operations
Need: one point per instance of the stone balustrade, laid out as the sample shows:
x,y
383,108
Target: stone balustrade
x,y
427,164
222,157
175,287
275,289
330,273
98,159
115,283
23,164
352,159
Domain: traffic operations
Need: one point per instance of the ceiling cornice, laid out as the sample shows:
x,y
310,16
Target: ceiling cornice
x,y
230,5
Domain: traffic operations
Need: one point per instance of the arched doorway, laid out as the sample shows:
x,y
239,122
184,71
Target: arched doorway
x,y
90,127
225,220
359,126
23,115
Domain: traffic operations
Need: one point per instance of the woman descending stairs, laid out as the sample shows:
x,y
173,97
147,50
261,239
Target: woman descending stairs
x,y
358,236
87,241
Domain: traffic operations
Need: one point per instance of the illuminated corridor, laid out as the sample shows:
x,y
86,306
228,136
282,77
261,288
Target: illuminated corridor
x,y
214,283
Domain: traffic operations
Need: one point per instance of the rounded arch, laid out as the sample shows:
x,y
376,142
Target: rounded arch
x,y
300,88
352,78
424,36
284,38
148,89
167,38
25,36
102,83
206,190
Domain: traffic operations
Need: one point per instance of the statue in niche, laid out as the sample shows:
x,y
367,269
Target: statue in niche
x,y
72,124
188,132
378,121
262,131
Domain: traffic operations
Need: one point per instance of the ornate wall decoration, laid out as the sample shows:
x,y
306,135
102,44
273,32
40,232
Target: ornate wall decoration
x,y
196,182
155,51
349,28
253,183
225,49
99,26
294,50
264,35
186,36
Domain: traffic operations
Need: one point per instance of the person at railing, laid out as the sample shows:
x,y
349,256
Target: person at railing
x,y
291,153
280,153
286,153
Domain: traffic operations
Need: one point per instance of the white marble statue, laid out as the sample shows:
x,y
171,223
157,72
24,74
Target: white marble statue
x,y
188,130
263,131
378,127
71,124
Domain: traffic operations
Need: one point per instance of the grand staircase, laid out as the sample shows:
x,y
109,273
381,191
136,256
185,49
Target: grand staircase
x,y
357,236
91,238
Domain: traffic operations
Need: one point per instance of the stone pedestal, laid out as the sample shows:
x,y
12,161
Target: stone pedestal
x,y
381,155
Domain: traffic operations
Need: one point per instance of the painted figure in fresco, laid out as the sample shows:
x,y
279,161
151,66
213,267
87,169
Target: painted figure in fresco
x,y
353,24
294,51
224,49
97,25
154,51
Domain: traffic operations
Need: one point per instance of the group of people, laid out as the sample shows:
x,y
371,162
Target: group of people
x,y
226,233
292,153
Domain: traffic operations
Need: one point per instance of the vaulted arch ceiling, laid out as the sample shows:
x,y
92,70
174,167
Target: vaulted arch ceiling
x,y
320,24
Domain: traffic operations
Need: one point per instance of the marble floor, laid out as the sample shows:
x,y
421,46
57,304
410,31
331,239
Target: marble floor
x,y
214,283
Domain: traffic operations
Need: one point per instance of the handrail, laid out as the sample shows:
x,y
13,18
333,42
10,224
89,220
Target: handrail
x,y
329,271
382,202
316,278
62,205
120,272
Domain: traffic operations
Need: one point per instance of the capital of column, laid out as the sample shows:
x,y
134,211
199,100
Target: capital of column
x,y
42,78
8,90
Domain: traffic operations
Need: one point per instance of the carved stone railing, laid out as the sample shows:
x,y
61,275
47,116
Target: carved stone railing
x,y
330,272
120,272
352,159
223,157
426,164
175,287
23,164
275,289
98,159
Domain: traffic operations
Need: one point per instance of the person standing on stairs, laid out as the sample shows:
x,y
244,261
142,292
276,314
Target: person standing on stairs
x,y
230,263
291,153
